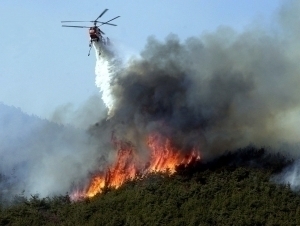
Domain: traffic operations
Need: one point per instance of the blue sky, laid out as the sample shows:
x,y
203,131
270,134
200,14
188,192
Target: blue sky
x,y
44,66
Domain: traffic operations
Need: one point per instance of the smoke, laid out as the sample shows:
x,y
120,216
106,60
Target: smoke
x,y
220,91
290,175
42,157
93,109
53,157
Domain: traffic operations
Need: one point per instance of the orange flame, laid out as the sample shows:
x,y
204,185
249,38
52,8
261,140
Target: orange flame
x,y
165,157
162,157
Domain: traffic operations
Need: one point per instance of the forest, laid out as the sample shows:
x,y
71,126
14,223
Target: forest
x,y
233,189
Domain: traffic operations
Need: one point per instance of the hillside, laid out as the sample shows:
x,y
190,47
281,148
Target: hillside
x,y
233,189
17,127
34,152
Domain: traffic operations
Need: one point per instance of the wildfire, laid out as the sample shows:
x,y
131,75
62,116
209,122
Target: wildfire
x,y
162,157
165,157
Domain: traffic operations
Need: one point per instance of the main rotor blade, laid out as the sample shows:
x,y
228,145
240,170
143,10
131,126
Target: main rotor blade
x,y
111,20
75,26
71,21
107,24
101,14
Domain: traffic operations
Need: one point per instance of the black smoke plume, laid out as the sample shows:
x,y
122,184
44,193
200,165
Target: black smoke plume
x,y
220,91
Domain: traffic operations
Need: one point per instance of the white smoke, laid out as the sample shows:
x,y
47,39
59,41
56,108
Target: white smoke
x,y
47,159
50,158
290,175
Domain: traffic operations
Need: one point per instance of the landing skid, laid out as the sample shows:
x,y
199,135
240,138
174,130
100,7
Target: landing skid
x,y
90,49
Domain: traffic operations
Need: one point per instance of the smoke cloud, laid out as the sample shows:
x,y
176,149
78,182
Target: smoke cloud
x,y
42,157
220,91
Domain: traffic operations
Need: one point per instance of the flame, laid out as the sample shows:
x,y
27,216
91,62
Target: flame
x,y
165,157
162,157
124,169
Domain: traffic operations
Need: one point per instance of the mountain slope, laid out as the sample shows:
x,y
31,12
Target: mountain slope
x,y
229,190
34,152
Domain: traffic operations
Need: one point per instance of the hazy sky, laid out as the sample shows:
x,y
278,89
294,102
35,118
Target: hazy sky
x,y
43,66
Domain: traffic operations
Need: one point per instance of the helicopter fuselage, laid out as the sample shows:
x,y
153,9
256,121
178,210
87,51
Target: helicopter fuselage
x,y
95,34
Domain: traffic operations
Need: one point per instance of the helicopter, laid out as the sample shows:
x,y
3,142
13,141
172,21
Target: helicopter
x,y
95,32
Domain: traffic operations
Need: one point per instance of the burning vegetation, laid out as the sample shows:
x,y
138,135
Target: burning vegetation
x,y
163,157
235,187
184,100
177,102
